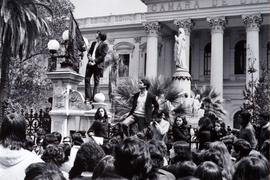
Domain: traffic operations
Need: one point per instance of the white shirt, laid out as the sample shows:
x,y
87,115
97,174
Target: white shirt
x,y
140,108
160,129
94,52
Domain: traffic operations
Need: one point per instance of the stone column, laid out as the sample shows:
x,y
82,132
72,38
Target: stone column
x,y
187,25
152,29
217,25
252,23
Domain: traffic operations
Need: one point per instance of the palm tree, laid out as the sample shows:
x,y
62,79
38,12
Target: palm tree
x,y
211,101
20,26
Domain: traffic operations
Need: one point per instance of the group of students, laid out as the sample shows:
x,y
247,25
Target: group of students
x,y
221,156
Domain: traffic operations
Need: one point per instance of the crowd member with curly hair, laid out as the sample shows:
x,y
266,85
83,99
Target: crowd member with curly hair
x,y
14,159
55,154
86,160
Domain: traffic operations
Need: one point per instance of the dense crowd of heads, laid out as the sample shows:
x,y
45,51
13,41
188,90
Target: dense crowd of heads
x,y
220,155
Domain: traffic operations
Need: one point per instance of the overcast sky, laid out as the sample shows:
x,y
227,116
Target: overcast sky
x,y
92,8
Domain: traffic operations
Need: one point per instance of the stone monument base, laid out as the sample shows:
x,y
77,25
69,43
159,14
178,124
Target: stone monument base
x,y
182,81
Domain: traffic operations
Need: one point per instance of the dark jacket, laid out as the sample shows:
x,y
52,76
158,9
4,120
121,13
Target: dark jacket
x,y
180,133
151,106
99,128
204,137
100,53
248,133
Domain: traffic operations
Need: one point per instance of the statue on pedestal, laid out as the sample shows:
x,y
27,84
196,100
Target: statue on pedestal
x,y
181,50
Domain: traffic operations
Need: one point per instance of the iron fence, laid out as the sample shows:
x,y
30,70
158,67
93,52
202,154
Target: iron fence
x,y
36,120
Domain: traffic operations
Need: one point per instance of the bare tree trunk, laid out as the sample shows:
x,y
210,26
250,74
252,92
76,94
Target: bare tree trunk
x,y
4,81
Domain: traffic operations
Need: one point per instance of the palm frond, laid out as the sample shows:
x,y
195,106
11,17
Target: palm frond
x,y
180,109
210,99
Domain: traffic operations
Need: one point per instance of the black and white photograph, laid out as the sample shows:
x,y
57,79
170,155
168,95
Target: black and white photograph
x,y
134,89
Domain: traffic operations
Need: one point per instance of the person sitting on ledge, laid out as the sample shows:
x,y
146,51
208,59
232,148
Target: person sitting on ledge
x,y
144,106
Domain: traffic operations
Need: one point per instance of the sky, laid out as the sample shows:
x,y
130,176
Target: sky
x,y
94,8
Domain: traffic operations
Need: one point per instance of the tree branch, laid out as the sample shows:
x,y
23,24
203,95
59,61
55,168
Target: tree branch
x,y
42,51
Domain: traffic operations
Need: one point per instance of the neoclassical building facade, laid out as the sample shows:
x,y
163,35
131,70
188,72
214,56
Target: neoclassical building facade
x,y
224,38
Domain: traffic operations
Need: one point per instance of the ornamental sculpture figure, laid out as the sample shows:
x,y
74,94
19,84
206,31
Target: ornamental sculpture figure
x,y
181,49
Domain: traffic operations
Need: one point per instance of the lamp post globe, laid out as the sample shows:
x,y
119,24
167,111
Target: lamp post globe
x,y
65,35
53,46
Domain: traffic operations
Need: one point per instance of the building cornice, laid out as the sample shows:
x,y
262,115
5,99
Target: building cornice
x,y
209,12
113,20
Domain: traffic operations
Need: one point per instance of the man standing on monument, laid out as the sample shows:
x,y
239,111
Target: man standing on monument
x,y
95,65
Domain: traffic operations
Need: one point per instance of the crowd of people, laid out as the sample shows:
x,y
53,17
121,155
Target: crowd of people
x,y
159,150
148,144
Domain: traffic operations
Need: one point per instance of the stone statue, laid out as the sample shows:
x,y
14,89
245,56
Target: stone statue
x,y
181,49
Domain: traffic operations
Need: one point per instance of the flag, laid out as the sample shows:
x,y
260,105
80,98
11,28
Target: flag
x,y
75,35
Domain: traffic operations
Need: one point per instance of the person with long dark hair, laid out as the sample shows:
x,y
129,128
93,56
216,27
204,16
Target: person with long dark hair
x,y
100,126
218,131
14,158
180,129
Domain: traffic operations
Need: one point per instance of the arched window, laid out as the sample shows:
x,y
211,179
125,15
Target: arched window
x,y
207,59
268,56
125,50
240,57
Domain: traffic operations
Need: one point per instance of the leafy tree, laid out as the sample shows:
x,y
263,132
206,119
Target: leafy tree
x,y
258,99
29,86
20,26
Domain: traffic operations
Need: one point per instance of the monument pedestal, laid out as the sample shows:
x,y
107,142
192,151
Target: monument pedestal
x,y
182,81
69,111
67,101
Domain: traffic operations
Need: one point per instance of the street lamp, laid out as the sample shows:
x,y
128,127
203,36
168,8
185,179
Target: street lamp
x,y
68,52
